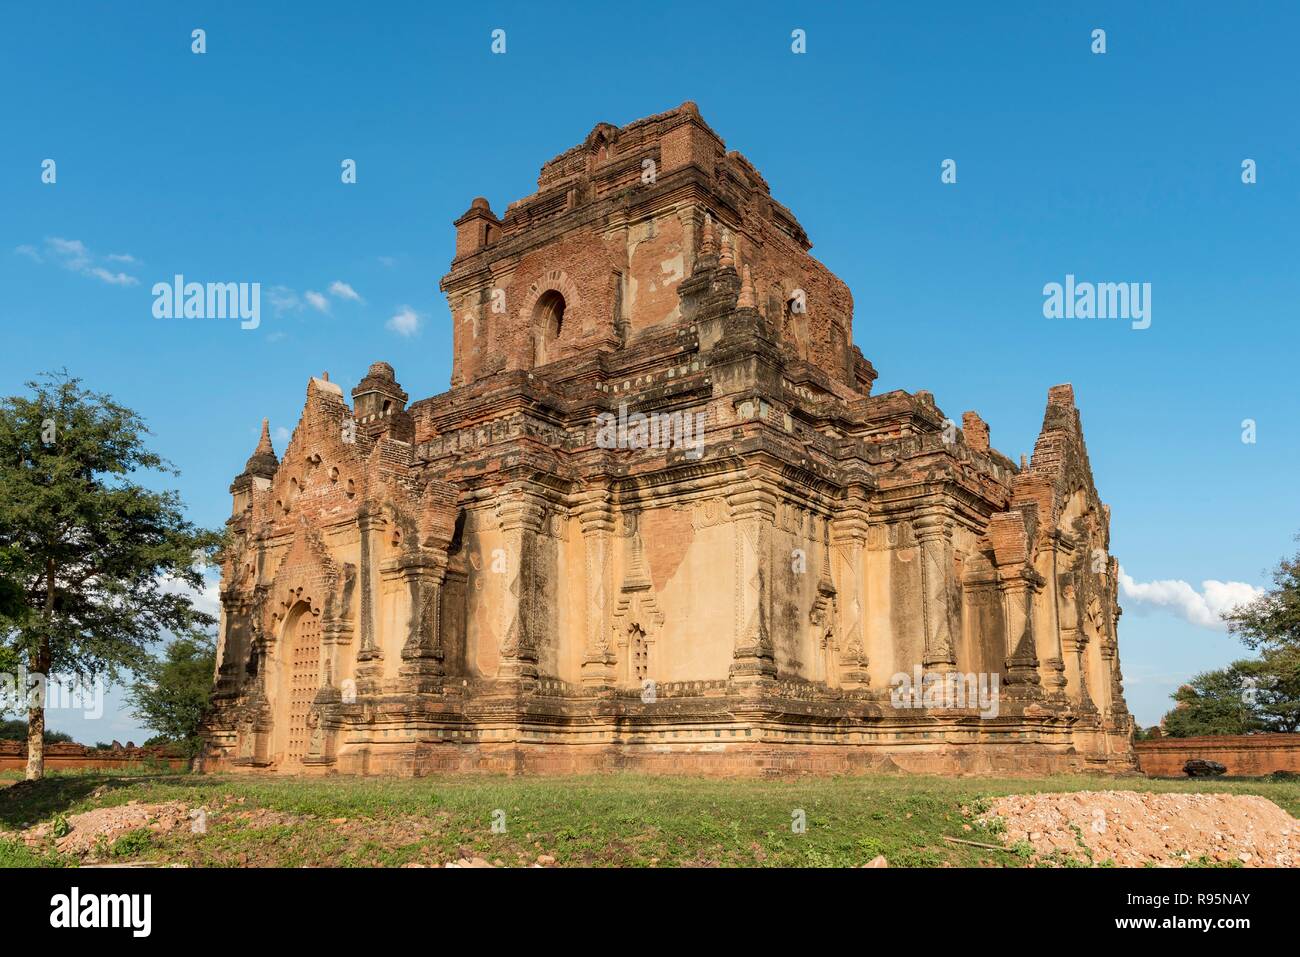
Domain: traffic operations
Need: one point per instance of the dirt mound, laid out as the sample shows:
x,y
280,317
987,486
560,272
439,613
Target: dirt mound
x,y
1134,828
102,826
264,817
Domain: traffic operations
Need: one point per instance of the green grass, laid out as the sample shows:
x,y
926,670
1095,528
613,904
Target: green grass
x,y
16,854
621,819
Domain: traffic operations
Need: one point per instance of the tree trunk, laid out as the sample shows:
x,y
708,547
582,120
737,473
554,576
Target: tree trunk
x,y
36,741
39,666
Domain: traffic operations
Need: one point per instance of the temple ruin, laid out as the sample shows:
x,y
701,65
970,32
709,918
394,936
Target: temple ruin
x,y
541,570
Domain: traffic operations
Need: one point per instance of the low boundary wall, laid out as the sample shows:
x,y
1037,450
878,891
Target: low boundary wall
x,y
1244,755
65,756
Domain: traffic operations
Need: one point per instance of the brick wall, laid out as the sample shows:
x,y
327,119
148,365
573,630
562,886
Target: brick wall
x,y
1244,755
65,756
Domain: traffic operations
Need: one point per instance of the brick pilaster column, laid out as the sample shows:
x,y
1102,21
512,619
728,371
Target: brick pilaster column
x,y
1021,654
849,539
934,536
520,513
1074,644
369,654
423,654
754,516
1052,664
597,520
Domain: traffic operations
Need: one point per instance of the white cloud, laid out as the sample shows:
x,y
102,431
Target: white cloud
x,y
30,252
113,279
343,291
388,262
283,299
281,434
1202,607
74,255
406,322
67,247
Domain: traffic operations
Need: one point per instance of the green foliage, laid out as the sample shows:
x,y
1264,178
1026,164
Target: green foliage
x,y
132,843
14,730
13,604
1249,696
1214,702
171,694
1275,691
1258,694
1273,619
98,564
14,853
13,609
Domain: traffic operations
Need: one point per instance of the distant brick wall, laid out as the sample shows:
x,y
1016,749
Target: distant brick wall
x,y
1244,755
65,756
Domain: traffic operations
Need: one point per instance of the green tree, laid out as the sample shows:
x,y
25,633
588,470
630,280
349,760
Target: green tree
x,y
104,565
13,607
1274,688
1215,702
171,694
1273,619
17,731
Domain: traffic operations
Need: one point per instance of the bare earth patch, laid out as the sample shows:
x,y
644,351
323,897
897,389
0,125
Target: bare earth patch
x,y
102,826
1136,828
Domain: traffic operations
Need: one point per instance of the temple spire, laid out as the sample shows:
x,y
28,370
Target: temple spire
x,y
263,462
264,446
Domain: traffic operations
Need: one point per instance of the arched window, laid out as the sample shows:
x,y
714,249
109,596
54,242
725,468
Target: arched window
x,y
795,323
548,321
458,534
638,654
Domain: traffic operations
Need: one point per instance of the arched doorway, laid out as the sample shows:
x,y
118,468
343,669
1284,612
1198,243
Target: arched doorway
x,y
301,680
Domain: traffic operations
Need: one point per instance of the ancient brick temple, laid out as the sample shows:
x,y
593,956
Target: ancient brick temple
x,y
659,521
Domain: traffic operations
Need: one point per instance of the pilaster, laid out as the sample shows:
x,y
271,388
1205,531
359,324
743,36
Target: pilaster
x,y
933,528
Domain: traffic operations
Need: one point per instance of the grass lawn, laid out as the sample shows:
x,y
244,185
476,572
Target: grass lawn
x,y
608,820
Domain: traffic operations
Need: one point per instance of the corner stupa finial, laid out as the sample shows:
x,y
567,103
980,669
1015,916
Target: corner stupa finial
x,y
264,446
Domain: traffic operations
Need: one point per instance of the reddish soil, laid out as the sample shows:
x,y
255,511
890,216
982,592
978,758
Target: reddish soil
x,y
1135,829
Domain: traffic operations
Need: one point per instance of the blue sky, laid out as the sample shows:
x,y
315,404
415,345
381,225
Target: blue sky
x,y
1120,167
